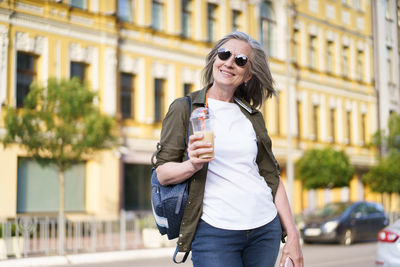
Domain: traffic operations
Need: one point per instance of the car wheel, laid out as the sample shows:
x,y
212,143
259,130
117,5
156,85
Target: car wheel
x,y
347,238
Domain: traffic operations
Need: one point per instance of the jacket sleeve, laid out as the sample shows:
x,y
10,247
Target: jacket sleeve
x,y
172,146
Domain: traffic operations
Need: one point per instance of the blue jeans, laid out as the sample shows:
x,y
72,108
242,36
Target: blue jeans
x,y
214,247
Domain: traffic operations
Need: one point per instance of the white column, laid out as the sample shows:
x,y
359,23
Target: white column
x,y
327,195
200,20
109,81
171,13
345,194
45,61
94,6
3,64
95,68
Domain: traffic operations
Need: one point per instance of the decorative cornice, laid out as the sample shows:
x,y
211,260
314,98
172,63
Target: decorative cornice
x,y
78,53
27,44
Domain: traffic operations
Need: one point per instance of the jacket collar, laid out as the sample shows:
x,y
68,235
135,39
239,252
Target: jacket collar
x,y
200,99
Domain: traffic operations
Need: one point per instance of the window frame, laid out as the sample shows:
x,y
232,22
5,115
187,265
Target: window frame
x,y
212,22
127,91
85,70
159,95
160,15
22,88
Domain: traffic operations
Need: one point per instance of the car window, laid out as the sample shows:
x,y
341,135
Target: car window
x,y
332,209
359,210
373,209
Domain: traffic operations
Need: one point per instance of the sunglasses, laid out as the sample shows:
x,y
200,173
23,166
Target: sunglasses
x,y
224,54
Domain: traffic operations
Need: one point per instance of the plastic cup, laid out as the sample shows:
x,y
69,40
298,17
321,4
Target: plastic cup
x,y
202,122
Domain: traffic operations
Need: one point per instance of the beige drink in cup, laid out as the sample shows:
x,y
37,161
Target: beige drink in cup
x,y
208,136
201,121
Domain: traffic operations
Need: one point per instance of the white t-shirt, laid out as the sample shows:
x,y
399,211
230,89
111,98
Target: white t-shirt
x,y
236,196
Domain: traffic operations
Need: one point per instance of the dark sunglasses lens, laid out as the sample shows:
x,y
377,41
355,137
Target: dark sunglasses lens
x,y
240,60
224,54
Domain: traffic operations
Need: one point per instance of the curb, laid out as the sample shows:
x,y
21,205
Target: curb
x,y
91,257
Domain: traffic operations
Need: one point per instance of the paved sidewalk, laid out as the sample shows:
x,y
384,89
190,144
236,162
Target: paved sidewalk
x,y
91,257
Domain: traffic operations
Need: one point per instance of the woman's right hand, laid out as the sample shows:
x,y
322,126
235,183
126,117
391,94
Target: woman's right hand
x,y
196,148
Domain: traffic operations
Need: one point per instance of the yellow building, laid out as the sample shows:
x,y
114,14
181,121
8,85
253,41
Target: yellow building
x,y
141,54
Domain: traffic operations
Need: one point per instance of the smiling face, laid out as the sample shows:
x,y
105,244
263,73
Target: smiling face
x,y
226,73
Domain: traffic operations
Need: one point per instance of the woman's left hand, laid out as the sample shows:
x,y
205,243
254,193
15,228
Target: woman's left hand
x,y
292,249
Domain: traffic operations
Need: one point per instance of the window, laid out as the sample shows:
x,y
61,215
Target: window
x,y
315,122
158,100
137,189
333,124
389,64
26,74
38,190
78,69
267,27
359,70
82,4
299,120
127,91
125,10
363,128
186,18
212,22
187,88
312,51
358,5
329,56
157,15
348,124
236,16
345,61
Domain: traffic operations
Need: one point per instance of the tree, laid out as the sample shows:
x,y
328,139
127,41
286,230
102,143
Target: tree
x,y
59,125
385,176
324,168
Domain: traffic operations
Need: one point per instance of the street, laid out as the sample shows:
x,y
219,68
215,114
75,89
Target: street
x,y
315,255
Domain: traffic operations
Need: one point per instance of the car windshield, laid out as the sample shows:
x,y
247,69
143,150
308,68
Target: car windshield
x,y
332,209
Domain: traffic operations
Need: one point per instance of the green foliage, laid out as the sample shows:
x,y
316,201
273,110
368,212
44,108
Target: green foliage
x,y
324,168
385,177
389,139
59,124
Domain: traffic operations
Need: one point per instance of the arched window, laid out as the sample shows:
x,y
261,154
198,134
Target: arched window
x,y
267,27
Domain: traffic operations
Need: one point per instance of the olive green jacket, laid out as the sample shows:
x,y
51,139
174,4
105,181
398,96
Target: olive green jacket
x,y
172,147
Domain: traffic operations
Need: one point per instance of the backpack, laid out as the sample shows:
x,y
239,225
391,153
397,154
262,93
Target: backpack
x,y
168,202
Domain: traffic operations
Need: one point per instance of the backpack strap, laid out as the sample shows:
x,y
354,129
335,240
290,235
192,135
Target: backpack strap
x,y
180,200
184,256
188,123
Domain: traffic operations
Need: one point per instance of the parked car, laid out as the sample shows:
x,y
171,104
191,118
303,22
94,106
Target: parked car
x,y
388,248
344,222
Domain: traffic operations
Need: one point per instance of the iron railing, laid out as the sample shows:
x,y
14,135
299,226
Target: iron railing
x,y
30,236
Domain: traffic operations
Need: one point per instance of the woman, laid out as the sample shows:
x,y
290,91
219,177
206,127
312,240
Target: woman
x,y
237,201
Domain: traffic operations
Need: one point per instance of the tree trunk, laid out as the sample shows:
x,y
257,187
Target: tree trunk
x,y
61,222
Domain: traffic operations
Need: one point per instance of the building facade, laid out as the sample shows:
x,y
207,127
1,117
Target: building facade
x,y
140,55
386,50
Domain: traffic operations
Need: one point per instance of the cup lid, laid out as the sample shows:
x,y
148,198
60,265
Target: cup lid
x,y
201,113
